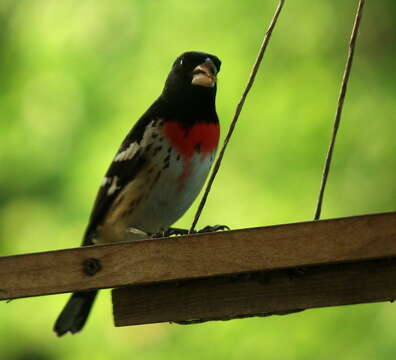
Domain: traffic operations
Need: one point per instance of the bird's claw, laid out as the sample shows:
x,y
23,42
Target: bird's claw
x,y
213,228
170,232
178,232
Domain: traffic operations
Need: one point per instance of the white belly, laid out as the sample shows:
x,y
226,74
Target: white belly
x,y
158,196
173,192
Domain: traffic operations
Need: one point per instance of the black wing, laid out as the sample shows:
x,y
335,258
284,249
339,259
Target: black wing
x,y
121,172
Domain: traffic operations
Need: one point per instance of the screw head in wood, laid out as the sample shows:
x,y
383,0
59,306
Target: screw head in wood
x,y
92,266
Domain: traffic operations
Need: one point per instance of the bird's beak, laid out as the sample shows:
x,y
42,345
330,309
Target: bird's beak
x,y
205,74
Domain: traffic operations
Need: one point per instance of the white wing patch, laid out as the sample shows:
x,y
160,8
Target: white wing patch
x,y
151,130
105,181
113,187
128,153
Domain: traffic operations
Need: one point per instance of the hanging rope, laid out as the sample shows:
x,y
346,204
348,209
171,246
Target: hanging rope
x,y
340,105
238,110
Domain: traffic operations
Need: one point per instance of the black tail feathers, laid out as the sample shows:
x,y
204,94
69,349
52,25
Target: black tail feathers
x,y
75,313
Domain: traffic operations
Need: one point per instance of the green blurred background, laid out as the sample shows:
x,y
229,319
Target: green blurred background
x,y
75,76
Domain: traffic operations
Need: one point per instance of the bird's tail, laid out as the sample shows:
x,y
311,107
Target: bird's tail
x,y
75,313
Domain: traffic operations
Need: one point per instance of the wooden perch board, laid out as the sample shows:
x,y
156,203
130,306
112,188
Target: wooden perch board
x,y
256,294
359,238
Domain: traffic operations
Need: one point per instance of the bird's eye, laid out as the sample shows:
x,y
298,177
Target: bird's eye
x,y
181,62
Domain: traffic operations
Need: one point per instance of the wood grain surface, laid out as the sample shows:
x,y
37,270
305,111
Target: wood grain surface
x,y
256,294
350,239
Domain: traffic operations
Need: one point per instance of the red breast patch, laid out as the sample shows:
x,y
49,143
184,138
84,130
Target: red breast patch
x,y
201,137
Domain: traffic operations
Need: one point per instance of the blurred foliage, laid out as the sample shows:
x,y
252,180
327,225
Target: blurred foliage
x,y
75,75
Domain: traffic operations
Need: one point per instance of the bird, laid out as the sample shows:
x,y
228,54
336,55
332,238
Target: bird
x,y
158,171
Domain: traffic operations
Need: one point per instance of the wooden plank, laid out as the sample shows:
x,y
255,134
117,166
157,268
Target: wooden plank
x,y
341,240
256,294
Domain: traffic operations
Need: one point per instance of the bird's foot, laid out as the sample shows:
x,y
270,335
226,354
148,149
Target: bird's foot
x,y
170,232
178,232
213,228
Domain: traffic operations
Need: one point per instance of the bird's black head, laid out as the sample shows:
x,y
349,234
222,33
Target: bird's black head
x,y
192,78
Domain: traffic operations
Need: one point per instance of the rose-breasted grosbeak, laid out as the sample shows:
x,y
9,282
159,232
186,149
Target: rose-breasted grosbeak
x,y
159,169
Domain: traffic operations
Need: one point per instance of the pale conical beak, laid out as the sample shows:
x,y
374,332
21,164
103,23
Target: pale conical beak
x,y
205,74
